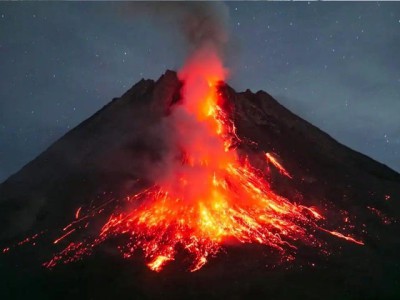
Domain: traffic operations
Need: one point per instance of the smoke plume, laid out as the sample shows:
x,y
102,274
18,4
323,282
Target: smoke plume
x,y
204,28
202,24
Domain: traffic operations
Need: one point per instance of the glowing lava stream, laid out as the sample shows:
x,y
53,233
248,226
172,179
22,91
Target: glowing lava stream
x,y
208,195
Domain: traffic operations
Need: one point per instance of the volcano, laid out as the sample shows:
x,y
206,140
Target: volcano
x,y
330,232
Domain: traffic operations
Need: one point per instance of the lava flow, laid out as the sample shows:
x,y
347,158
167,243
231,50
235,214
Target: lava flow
x,y
209,193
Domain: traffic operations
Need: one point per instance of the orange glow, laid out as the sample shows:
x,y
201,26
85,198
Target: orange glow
x,y
207,196
274,161
348,238
158,263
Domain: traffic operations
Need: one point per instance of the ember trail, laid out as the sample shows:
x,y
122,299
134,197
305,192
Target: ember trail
x,y
209,193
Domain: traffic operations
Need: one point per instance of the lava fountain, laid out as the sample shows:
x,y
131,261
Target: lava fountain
x,y
209,193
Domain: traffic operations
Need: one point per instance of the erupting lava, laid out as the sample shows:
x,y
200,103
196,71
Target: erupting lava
x,y
207,195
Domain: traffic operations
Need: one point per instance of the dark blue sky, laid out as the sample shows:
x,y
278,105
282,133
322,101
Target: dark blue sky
x,y
335,64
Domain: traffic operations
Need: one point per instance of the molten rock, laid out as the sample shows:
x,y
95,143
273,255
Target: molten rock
x,y
176,172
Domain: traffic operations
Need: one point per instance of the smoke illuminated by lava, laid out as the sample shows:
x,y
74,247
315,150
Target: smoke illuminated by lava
x,y
207,195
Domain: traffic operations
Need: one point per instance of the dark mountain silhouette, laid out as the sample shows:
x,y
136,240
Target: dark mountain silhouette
x,y
106,154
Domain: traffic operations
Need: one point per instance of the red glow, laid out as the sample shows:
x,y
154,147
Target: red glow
x,y
64,236
77,213
348,238
385,219
205,195
275,162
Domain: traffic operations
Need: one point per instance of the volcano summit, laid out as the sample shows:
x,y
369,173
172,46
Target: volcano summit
x,y
185,174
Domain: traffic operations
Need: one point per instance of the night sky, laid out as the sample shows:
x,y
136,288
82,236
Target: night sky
x,y
337,65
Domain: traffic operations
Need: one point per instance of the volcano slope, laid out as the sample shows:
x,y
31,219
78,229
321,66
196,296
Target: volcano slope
x,y
106,157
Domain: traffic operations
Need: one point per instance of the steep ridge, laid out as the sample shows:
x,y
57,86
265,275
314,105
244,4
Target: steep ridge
x,y
106,154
